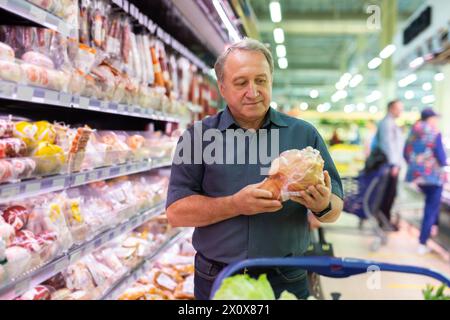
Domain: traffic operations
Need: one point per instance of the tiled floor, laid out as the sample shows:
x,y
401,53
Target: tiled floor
x,y
401,248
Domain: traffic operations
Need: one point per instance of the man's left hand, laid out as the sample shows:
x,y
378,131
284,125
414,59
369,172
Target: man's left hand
x,y
316,198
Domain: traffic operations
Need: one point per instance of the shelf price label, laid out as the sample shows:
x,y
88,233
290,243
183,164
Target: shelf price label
x,y
65,98
80,179
25,93
51,96
32,187
38,13
22,286
7,89
61,265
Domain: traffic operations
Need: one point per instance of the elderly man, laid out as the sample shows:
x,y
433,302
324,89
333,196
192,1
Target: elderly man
x,y
233,218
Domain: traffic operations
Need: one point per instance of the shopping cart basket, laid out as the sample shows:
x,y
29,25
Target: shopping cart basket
x,y
327,267
363,196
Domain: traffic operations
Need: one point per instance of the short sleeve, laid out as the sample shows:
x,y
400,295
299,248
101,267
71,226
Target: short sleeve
x,y
186,175
336,184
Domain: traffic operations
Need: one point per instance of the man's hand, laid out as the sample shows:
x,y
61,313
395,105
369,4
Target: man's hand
x,y
316,198
250,200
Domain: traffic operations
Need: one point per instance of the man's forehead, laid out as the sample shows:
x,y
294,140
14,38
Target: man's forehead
x,y
245,61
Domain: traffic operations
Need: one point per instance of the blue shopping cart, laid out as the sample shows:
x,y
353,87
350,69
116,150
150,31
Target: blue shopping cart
x,y
327,267
363,196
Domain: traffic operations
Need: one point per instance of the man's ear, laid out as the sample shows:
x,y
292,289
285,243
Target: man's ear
x,y
221,88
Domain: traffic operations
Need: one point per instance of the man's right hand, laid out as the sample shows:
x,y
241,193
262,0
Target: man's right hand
x,y
250,200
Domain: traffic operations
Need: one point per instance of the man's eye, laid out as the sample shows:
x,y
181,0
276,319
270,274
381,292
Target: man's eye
x,y
260,81
240,84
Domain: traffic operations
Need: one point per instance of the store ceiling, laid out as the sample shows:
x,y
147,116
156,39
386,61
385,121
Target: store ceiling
x,y
324,39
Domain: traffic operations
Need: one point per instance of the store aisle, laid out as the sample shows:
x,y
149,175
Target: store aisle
x,y
349,241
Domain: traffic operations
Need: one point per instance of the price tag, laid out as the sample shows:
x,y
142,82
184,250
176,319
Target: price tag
x,y
59,182
123,170
75,256
25,93
121,108
112,235
80,179
38,13
84,102
98,243
32,187
61,265
6,89
91,247
65,98
22,286
10,191
51,96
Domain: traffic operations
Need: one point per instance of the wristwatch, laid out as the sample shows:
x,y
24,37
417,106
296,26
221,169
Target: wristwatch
x,y
323,212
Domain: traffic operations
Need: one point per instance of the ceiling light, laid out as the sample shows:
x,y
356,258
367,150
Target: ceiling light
x,y
439,76
349,108
346,78
374,63
373,109
281,51
304,106
234,35
360,106
326,106
427,86
428,99
387,51
314,94
274,105
356,80
282,63
417,62
275,11
374,96
406,81
409,95
278,35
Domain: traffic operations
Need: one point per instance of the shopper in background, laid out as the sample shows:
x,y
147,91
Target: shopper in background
x,y
234,219
426,158
388,146
335,138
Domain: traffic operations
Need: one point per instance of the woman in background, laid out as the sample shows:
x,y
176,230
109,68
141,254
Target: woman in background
x,y
426,158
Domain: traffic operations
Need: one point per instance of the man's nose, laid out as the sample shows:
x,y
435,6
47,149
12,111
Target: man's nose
x,y
252,91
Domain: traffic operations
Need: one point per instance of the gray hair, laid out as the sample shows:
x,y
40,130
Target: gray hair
x,y
246,44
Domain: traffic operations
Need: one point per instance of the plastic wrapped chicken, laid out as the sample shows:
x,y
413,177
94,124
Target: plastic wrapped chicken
x,y
293,171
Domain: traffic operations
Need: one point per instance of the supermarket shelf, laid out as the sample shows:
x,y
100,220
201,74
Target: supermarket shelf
x,y
133,275
34,277
19,92
39,16
34,187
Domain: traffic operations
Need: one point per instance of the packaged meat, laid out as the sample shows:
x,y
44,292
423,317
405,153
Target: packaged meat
x,y
6,128
105,80
61,294
19,260
77,82
6,170
28,240
12,147
6,52
38,59
77,224
37,293
10,71
26,131
7,233
294,171
84,34
16,215
23,168
49,158
78,277
102,275
148,59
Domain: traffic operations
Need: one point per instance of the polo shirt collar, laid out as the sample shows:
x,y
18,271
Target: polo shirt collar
x,y
227,120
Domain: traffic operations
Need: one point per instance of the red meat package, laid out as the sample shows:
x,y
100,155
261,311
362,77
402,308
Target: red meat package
x,y
12,147
6,128
37,293
294,171
16,215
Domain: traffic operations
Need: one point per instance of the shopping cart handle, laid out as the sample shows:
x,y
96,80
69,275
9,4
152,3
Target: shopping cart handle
x,y
325,266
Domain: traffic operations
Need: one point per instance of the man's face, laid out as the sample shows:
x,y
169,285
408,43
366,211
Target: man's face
x,y
247,84
397,109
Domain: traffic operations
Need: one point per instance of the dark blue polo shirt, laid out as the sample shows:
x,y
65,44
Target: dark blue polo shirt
x,y
279,234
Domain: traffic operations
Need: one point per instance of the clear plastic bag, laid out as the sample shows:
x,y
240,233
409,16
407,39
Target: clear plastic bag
x,y
294,171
